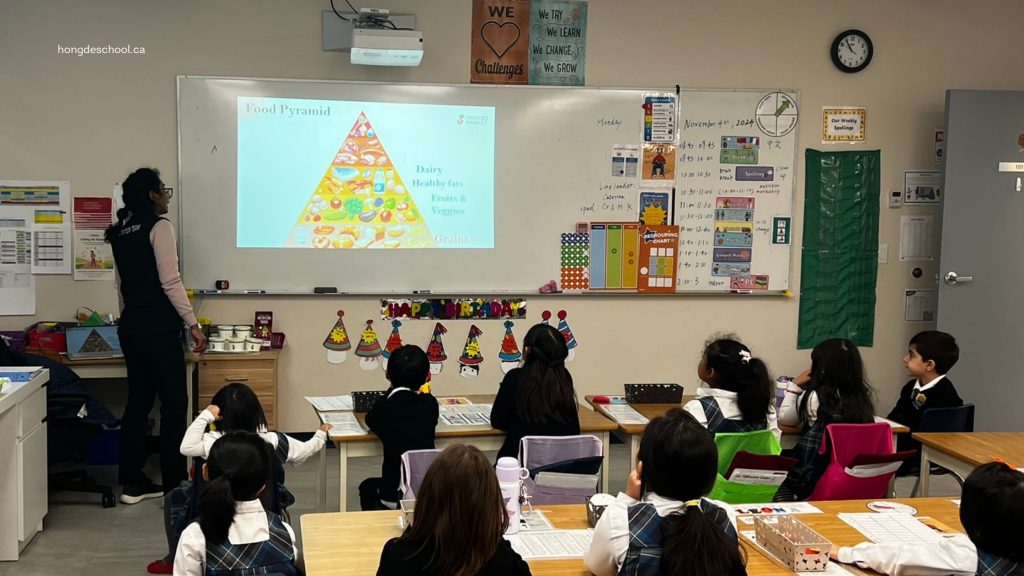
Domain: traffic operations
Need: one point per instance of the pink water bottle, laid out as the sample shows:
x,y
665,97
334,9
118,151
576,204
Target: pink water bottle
x,y
510,480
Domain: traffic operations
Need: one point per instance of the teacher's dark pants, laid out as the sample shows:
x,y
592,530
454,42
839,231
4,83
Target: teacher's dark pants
x,y
156,368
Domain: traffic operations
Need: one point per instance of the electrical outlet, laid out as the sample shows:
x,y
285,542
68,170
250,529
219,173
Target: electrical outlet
x,y
883,253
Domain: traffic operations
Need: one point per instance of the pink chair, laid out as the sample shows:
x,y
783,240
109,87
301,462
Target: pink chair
x,y
862,462
414,468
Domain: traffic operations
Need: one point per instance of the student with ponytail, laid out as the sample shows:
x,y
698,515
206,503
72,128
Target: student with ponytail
x,y
663,525
234,535
537,399
739,393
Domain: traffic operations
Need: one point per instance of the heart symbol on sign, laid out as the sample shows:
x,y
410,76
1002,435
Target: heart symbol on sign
x,y
500,38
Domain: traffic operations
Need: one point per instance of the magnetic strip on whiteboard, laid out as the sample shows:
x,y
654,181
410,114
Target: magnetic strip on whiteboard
x,y
597,262
630,254
613,253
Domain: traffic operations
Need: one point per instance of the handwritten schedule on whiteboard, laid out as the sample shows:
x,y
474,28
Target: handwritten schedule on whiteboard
x,y
734,198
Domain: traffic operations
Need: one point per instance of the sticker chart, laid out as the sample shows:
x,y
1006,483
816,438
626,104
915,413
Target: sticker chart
x,y
892,528
736,165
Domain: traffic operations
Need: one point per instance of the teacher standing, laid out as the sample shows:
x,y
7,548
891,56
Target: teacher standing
x,y
154,309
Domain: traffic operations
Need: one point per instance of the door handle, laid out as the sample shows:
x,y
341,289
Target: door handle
x,y
952,279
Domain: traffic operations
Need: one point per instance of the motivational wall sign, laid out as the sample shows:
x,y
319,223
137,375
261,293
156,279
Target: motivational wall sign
x,y
558,42
500,43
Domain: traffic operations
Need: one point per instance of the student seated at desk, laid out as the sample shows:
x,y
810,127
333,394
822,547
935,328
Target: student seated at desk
x,y
234,408
930,356
833,390
663,525
404,420
992,513
537,399
739,396
234,535
458,524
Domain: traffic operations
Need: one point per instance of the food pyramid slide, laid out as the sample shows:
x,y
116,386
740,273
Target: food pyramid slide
x,y
361,202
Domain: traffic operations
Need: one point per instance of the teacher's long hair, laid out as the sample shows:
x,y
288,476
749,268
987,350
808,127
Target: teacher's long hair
x,y
135,194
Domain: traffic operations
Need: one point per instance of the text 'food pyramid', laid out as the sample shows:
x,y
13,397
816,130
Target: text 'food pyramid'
x,y
361,201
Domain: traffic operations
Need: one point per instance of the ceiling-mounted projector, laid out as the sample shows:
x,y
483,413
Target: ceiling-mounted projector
x,y
385,47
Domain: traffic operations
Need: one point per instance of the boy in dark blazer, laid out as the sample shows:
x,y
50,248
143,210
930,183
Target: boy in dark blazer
x,y
404,420
930,356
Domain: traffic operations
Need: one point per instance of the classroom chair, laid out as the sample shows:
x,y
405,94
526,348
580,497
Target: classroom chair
x,y
758,442
563,469
956,419
862,462
414,467
68,438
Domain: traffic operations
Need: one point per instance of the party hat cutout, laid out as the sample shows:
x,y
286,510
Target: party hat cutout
x,y
563,327
509,349
471,351
361,201
469,362
394,341
435,350
369,348
570,340
337,342
545,317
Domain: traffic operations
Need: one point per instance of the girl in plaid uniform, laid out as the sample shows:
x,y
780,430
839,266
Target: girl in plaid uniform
x,y
234,535
833,390
992,512
663,525
739,393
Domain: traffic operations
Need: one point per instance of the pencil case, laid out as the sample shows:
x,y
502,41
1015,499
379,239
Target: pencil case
x,y
654,393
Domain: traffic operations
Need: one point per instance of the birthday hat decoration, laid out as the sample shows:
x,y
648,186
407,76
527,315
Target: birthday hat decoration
x,y
337,342
545,317
509,349
394,341
471,351
435,350
369,346
563,327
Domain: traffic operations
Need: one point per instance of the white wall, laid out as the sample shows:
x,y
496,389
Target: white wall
x,y
92,119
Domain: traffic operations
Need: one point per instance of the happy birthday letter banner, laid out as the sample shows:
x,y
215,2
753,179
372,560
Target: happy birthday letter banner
x,y
453,308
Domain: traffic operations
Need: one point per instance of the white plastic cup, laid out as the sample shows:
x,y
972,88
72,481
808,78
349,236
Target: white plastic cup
x,y
225,331
236,345
216,344
510,480
253,344
243,331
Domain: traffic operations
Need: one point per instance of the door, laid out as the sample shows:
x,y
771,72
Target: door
x,y
983,245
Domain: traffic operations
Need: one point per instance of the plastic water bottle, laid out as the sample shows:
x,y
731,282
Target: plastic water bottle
x,y
510,480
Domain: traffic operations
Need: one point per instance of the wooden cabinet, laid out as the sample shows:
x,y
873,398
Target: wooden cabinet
x,y
257,371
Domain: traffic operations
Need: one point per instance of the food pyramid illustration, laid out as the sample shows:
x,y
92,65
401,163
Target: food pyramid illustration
x,y
361,202
95,343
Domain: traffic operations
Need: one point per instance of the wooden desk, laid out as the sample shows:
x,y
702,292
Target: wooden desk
x,y
962,452
483,437
790,434
344,543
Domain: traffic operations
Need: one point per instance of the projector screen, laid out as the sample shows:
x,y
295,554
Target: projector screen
x,y
336,174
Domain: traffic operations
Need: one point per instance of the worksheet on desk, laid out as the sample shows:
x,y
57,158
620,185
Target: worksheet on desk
x,y
547,544
344,423
465,414
892,528
330,403
625,414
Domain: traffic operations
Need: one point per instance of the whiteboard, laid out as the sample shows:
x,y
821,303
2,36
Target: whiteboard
x,y
552,151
